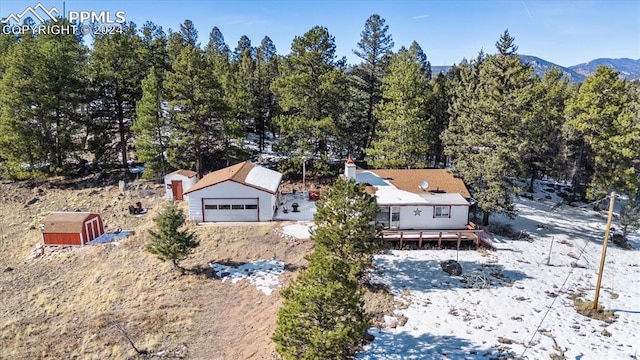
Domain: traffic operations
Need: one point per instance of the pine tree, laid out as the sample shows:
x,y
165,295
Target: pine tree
x,y
403,117
169,242
321,316
541,145
311,90
602,114
373,48
116,69
344,219
267,105
484,132
195,106
41,91
152,126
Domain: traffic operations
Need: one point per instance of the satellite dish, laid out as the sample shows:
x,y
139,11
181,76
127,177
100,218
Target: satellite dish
x,y
424,185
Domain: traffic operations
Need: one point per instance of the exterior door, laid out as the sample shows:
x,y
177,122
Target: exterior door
x,y
176,188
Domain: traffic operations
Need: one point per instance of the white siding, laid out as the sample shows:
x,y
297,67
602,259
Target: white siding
x,y
425,220
187,183
228,190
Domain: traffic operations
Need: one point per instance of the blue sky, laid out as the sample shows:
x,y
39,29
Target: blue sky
x,y
563,32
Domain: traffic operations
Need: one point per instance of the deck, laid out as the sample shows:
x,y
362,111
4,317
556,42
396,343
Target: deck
x,y
402,238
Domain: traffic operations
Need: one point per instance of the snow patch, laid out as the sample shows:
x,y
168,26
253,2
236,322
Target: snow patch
x,y
264,274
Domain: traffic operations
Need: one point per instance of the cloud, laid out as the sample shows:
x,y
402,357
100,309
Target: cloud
x,y
527,10
420,16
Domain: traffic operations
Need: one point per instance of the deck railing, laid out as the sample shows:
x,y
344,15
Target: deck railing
x,y
478,236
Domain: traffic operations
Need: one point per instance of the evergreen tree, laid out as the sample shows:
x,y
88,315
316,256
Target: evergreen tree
x,y
602,114
41,91
152,126
629,218
169,242
542,139
440,101
484,132
195,103
311,91
344,219
116,69
373,48
266,104
321,316
403,117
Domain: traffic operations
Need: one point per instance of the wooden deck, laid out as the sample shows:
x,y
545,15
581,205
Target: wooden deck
x,y
479,237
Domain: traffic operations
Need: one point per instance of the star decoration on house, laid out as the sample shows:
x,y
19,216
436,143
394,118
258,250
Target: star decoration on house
x,y
417,212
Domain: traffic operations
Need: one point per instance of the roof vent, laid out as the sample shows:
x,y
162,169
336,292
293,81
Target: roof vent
x,y
424,185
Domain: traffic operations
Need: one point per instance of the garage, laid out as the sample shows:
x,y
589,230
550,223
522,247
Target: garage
x,y
231,209
241,192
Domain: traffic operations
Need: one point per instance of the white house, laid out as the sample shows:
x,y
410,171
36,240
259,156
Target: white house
x,y
420,199
242,192
178,182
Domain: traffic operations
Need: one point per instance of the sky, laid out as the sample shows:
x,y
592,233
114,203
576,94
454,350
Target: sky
x,y
564,32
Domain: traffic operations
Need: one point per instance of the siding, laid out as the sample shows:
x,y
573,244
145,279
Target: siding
x,y
408,220
230,189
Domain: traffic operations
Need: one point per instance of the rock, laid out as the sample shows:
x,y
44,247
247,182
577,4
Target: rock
x,y
402,320
8,268
368,337
121,185
31,201
451,267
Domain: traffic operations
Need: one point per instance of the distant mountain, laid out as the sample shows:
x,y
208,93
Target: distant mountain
x,y
628,68
541,66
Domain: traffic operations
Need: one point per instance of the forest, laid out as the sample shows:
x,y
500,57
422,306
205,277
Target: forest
x,y
170,101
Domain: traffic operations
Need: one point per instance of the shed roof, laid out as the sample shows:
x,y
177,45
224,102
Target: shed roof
x,y
440,180
245,173
65,222
187,173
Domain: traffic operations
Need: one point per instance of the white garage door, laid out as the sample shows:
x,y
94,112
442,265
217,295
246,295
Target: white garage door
x,y
230,209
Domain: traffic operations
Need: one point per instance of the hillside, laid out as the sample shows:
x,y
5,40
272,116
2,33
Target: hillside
x,y
628,68
68,302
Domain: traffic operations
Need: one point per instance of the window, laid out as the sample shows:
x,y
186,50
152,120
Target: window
x,y
442,212
251,207
237,207
224,207
211,207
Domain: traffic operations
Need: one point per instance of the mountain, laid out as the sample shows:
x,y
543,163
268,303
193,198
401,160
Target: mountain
x,y
541,66
628,68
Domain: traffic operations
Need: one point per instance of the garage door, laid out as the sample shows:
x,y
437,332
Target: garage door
x,y
230,209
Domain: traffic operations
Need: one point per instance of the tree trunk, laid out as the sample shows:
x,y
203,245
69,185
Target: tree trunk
x,y
485,218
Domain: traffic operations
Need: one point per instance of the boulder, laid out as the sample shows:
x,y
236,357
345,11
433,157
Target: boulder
x,y
451,267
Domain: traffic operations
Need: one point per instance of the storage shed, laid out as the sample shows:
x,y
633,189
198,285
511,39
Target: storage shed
x,y
71,228
178,182
242,192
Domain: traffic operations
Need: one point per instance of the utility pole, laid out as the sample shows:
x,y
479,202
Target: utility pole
x,y
604,249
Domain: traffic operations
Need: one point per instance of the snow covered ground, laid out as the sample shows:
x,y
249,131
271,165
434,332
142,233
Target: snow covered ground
x,y
263,274
527,312
301,230
111,237
306,208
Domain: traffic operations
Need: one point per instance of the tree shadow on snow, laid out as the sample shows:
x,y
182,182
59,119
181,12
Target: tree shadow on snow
x,y
424,275
390,344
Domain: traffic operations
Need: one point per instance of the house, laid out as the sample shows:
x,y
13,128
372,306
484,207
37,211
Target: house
x,y
423,199
71,228
242,192
179,181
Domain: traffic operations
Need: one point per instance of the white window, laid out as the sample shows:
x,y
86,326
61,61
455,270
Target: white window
x,y
442,212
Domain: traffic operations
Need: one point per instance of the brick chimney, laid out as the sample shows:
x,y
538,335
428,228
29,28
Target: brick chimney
x,y
350,169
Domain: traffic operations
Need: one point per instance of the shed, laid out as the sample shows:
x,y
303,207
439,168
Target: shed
x,y
242,192
71,228
178,182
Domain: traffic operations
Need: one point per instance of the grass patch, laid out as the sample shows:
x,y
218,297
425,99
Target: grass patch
x,y
585,308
